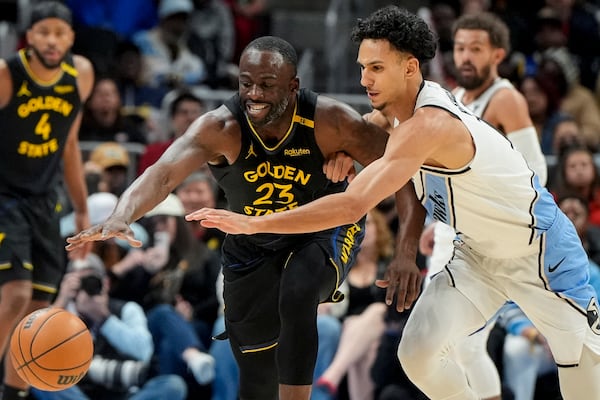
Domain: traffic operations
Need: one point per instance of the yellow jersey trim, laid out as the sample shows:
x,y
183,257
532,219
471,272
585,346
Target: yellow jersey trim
x,y
63,66
294,119
44,288
244,351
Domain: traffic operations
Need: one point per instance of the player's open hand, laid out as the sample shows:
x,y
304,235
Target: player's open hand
x,y
224,220
403,280
112,228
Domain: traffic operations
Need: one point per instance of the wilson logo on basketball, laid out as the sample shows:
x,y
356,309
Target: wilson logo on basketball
x,y
69,379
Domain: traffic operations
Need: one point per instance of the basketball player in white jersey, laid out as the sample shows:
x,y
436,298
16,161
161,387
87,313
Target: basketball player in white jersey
x,y
481,42
515,243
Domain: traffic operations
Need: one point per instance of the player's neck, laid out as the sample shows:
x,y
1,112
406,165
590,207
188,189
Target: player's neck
x,y
404,107
473,94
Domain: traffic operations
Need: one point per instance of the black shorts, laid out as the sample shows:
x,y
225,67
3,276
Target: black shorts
x,y
31,247
252,275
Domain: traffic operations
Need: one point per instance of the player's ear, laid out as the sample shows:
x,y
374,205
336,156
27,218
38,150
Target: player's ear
x,y
294,84
499,55
412,67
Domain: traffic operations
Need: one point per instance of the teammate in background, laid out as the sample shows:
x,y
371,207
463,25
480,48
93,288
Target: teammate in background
x,y
267,147
481,42
515,243
42,88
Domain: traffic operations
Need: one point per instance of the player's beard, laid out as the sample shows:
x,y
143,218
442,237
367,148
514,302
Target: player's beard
x,y
274,114
475,81
43,61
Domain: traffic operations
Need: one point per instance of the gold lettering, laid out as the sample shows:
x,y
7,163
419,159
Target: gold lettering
x,y
40,103
250,210
286,172
32,150
349,241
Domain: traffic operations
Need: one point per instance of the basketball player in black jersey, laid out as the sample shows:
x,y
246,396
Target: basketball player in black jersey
x,y
267,147
41,91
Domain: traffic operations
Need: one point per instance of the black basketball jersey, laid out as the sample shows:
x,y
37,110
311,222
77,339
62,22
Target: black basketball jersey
x,y
34,127
286,175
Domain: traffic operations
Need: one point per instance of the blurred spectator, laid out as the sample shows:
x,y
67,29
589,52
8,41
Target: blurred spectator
x,y
167,60
113,160
183,110
212,38
122,17
557,68
138,97
582,31
102,118
440,18
576,173
566,134
543,104
548,33
122,342
195,192
363,323
251,20
576,208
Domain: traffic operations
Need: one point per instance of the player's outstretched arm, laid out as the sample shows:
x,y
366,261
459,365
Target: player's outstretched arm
x,y
201,143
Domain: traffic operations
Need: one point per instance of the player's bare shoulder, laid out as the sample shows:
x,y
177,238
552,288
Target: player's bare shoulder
x,y
85,76
508,110
5,84
218,132
340,127
331,113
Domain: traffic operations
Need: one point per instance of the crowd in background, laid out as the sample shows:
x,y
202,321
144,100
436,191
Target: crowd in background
x,y
150,58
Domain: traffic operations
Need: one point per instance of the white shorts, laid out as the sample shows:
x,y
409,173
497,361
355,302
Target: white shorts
x,y
550,286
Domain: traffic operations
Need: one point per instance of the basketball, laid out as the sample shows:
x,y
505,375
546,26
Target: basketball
x,y
51,349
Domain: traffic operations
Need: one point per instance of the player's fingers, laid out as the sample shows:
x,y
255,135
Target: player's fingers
x,y
133,242
412,291
351,173
200,214
382,283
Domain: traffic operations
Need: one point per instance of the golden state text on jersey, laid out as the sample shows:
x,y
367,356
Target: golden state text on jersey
x,y
35,125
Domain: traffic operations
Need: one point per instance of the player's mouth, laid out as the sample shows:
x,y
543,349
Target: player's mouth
x,y
52,56
372,95
467,70
257,110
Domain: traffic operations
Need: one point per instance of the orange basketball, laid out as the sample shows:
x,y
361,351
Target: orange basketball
x,y
51,349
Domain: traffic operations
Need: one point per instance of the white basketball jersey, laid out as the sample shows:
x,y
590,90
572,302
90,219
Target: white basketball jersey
x,y
496,196
479,105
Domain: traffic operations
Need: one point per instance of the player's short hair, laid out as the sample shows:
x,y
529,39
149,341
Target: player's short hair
x,y
276,45
406,31
50,9
488,22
